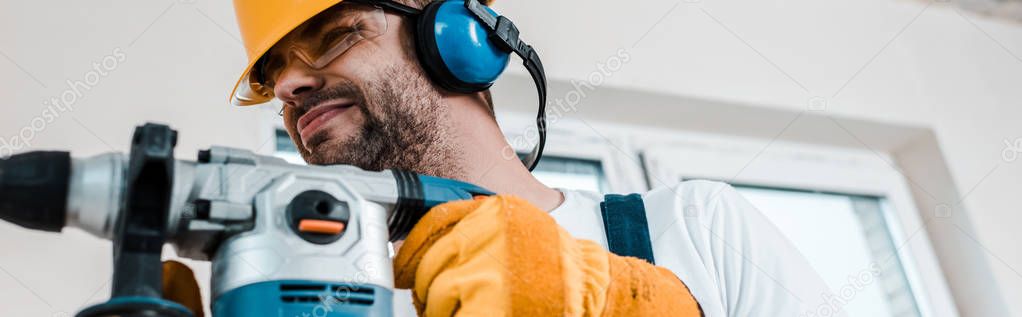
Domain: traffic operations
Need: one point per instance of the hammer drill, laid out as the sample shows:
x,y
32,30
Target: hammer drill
x,y
284,240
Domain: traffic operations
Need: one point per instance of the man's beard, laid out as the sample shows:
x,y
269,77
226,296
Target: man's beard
x,y
404,127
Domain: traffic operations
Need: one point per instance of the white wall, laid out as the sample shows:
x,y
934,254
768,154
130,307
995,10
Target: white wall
x,y
936,89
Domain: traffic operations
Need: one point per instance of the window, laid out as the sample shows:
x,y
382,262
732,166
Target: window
x,y
571,173
847,239
846,210
575,157
286,149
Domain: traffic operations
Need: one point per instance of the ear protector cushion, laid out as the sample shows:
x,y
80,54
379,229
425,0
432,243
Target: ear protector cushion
x,y
455,49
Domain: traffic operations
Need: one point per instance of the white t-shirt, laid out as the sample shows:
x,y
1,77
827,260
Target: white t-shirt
x,y
733,260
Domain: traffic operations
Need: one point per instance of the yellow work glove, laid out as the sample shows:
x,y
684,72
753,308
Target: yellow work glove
x,y
500,255
179,285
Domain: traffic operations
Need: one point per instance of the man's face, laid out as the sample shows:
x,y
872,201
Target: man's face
x,y
371,107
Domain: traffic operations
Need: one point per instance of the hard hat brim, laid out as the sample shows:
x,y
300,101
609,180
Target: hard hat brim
x,y
244,95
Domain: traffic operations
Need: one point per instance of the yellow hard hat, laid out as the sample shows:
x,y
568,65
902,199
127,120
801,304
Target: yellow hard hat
x,y
262,24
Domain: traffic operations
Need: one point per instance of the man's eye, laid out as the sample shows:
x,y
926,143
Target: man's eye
x,y
270,67
336,34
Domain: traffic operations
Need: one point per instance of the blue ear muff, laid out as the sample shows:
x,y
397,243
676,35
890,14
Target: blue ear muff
x,y
455,48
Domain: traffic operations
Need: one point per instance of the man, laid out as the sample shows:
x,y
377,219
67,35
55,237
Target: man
x,y
354,92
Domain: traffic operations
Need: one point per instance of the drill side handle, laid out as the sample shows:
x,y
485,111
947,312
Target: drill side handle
x,y
140,231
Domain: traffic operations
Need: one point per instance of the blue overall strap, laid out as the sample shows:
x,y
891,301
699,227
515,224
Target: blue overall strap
x,y
624,219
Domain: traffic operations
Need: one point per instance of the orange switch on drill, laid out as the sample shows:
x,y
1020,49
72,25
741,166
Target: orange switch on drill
x,y
321,226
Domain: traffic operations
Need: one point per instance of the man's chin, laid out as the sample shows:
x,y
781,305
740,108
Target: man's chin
x,y
334,151
315,159
322,149
317,141
321,159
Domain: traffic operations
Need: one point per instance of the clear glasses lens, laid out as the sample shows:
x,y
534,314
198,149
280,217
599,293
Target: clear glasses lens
x,y
321,40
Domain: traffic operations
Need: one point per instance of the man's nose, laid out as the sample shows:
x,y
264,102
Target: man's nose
x,y
295,80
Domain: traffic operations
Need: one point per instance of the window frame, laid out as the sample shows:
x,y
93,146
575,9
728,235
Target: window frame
x,y
573,139
796,166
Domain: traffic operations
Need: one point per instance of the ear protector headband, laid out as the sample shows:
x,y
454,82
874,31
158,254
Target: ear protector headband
x,y
457,58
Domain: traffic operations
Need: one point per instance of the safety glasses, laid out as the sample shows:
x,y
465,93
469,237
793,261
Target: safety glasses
x,y
321,40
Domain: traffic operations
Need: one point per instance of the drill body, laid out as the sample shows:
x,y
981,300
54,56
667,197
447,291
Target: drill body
x,y
283,239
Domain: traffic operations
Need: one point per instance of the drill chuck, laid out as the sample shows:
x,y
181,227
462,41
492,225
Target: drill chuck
x,y
34,189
